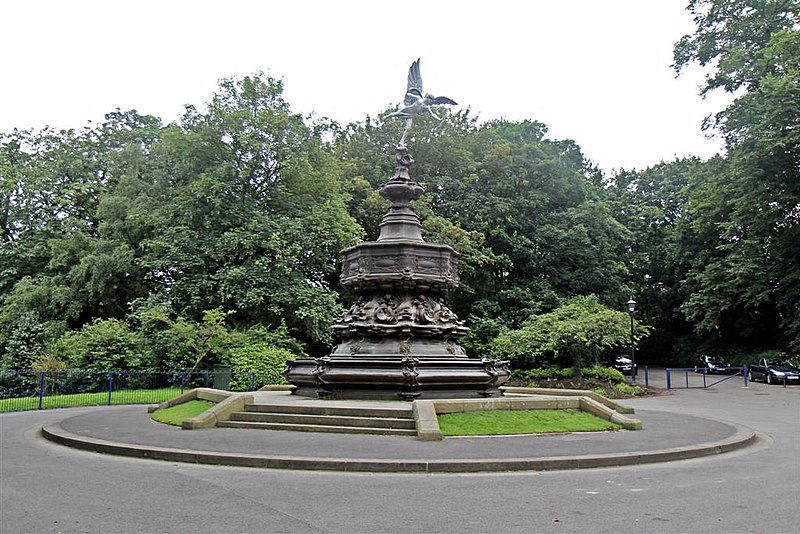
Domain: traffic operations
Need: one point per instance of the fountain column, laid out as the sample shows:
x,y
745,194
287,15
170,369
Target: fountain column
x,y
399,340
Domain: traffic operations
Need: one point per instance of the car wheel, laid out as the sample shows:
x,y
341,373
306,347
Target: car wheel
x,y
750,376
769,378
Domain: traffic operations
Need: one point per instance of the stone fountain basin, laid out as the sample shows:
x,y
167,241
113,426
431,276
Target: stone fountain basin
x,y
387,265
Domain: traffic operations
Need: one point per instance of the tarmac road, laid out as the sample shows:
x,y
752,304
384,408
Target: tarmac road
x,y
45,487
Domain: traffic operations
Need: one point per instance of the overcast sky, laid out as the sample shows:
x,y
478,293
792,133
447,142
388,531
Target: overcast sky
x,y
596,71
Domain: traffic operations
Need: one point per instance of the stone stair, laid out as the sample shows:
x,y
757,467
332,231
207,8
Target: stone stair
x,y
344,419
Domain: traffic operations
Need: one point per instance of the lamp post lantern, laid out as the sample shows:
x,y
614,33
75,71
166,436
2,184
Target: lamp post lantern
x,y
631,308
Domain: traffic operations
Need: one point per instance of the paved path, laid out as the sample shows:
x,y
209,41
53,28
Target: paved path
x,y
49,488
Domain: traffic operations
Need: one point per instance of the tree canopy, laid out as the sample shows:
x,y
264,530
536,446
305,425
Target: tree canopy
x,y
132,243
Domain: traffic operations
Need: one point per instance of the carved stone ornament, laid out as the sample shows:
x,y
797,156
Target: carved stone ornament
x,y
404,314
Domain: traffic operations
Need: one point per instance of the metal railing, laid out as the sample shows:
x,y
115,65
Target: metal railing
x,y
702,372
39,390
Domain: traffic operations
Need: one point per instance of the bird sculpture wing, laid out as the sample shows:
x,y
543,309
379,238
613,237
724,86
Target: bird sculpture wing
x,y
414,91
439,100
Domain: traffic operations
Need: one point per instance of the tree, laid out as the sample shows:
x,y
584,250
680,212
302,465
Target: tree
x,y
580,333
654,206
524,211
252,213
751,279
239,208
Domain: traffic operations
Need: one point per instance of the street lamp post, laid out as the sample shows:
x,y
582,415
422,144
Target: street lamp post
x,y
631,308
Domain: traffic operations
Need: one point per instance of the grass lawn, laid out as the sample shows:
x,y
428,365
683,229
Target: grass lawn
x,y
176,414
124,396
497,422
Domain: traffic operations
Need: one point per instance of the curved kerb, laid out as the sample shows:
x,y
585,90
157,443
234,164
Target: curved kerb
x,y
742,437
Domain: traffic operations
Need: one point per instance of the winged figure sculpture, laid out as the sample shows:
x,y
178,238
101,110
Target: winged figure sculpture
x,y
414,103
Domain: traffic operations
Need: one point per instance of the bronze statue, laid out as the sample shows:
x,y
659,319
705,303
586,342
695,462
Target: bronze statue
x,y
399,340
414,104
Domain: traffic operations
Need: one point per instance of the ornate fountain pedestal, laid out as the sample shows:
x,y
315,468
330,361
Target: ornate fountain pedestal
x,y
399,338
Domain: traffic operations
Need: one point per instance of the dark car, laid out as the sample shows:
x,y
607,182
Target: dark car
x,y
714,364
773,371
624,365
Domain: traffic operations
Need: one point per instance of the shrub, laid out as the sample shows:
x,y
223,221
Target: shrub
x,y
550,374
482,332
266,361
521,347
577,334
105,344
608,374
25,343
627,389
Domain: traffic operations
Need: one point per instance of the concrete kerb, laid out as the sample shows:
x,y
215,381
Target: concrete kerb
x,y
428,429
277,387
219,412
207,394
614,405
742,437
426,411
226,403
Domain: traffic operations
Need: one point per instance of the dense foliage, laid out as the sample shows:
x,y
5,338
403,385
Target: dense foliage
x,y
581,333
137,244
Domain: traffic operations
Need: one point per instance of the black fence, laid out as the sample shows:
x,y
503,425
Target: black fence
x,y
38,390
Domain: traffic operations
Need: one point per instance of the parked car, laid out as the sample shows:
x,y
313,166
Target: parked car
x,y
773,371
711,363
624,365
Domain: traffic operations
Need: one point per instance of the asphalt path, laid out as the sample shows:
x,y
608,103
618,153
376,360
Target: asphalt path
x,y
45,487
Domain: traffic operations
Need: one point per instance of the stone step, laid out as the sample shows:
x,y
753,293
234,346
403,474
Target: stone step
x,y
317,428
325,420
351,411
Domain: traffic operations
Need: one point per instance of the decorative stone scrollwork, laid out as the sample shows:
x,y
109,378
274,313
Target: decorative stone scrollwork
x,y
404,160
490,367
399,265
321,368
495,368
387,314
409,369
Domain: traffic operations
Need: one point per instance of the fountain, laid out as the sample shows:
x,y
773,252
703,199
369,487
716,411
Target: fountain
x,y
399,340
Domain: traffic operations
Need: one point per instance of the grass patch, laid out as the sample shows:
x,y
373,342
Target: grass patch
x,y
176,414
497,422
124,396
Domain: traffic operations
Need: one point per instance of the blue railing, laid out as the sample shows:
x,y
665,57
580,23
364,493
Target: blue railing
x,y
38,390
735,371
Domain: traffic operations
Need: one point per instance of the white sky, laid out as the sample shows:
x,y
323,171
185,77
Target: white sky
x,y
594,71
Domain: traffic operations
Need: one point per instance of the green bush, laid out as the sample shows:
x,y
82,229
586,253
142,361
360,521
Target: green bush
x,y
180,343
577,334
608,374
627,389
550,374
266,361
521,347
482,332
105,344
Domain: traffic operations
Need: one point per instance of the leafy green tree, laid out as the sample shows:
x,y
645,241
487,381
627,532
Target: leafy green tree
x,y
239,208
653,204
524,211
748,283
26,343
103,345
252,213
58,260
580,333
